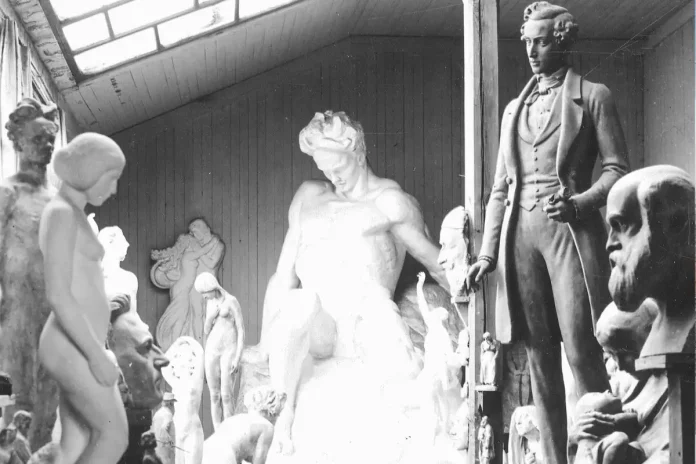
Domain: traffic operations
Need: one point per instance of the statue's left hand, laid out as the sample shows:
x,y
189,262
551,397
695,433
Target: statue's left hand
x,y
233,368
561,210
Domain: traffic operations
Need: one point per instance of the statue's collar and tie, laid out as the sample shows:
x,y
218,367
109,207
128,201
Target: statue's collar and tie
x,y
546,83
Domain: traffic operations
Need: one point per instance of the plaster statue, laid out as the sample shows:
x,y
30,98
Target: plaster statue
x,y
176,269
93,224
163,428
117,280
543,226
490,361
523,444
7,453
72,346
486,442
246,437
650,213
224,332
611,429
148,444
454,254
438,379
22,423
24,308
185,375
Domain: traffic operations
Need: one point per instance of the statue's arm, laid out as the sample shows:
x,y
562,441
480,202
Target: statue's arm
x,y
211,258
236,310
263,444
420,295
59,227
495,209
408,226
211,313
612,148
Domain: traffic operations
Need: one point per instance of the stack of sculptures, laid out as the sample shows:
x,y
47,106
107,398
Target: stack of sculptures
x,y
176,269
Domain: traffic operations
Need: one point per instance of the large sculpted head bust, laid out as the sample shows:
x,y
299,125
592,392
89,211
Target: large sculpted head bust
x,y
650,213
32,128
454,251
140,360
549,32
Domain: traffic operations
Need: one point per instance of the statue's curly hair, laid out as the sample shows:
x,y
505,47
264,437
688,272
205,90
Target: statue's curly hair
x,y
27,110
565,28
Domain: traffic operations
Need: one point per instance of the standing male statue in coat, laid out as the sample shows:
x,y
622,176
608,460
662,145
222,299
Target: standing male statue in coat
x,y
543,227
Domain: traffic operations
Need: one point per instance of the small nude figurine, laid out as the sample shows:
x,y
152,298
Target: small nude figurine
x,y
72,344
486,442
185,375
247,437
490,354
224,334
165,433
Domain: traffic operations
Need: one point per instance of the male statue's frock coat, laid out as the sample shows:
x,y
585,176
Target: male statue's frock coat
x,y
589,127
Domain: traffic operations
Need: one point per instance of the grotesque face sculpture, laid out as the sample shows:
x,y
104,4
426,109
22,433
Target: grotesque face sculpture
x,y
548,33
650,213
140,360
32,128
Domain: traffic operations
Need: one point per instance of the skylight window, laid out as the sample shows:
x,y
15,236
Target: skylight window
x,y
96,35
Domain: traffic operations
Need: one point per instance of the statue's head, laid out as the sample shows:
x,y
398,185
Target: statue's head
x,y
603,402
168,400
7,436
148,440
549,32
484,421
32,128
650,213
22,420
91,163
337,145
200,230
622,335
525,420
114,242
454,239
140,360
265,401
487,337
208,286
186,364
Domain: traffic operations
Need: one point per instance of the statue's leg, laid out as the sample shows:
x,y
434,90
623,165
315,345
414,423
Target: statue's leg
x,y
74,436
291,340
213,377
44,414
615,449
227,383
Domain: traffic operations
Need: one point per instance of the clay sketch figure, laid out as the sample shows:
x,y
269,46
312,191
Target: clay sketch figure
x,y
72,345
148,443
523,444
185,375
224,333
118,280
163,427
246,437
490,361
176,269
543,229
486,442
350,232
23,307
454,254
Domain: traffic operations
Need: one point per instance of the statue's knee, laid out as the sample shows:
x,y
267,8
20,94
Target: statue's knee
x,y
616,440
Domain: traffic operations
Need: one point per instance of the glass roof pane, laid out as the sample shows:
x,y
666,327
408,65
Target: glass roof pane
x,y
86,32
138,13
253,7
66,9
196,23
118,51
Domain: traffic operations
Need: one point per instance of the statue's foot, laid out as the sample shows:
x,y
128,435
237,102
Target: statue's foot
x,y
283,429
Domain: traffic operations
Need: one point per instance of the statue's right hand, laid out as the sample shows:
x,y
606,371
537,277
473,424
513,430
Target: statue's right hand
x,y
476,272
592,424
104,370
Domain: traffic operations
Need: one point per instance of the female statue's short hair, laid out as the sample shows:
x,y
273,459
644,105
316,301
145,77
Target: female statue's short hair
x,y
565,29
27,110
83,161
206,282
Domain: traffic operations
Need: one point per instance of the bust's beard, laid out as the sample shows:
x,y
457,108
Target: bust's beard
x,y
627,289
456,278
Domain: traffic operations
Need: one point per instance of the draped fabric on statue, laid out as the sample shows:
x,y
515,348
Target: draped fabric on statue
x,y
15,84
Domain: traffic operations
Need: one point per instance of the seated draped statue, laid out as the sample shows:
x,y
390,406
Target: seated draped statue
x,y
523,445
73,340
336,343
116,279
176,269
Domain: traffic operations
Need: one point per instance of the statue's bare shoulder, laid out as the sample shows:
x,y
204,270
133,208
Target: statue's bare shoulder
x,y
311,189
397,205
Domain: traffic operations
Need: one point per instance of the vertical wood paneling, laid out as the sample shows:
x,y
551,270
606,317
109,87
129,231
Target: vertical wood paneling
x,y
669,101
234,156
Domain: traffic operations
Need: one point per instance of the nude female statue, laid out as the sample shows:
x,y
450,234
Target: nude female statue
x,y
72,344
118,280
185,375
224,332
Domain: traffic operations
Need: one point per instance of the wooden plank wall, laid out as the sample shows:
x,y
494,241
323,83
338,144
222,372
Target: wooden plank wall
x,y
233,156
669,101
